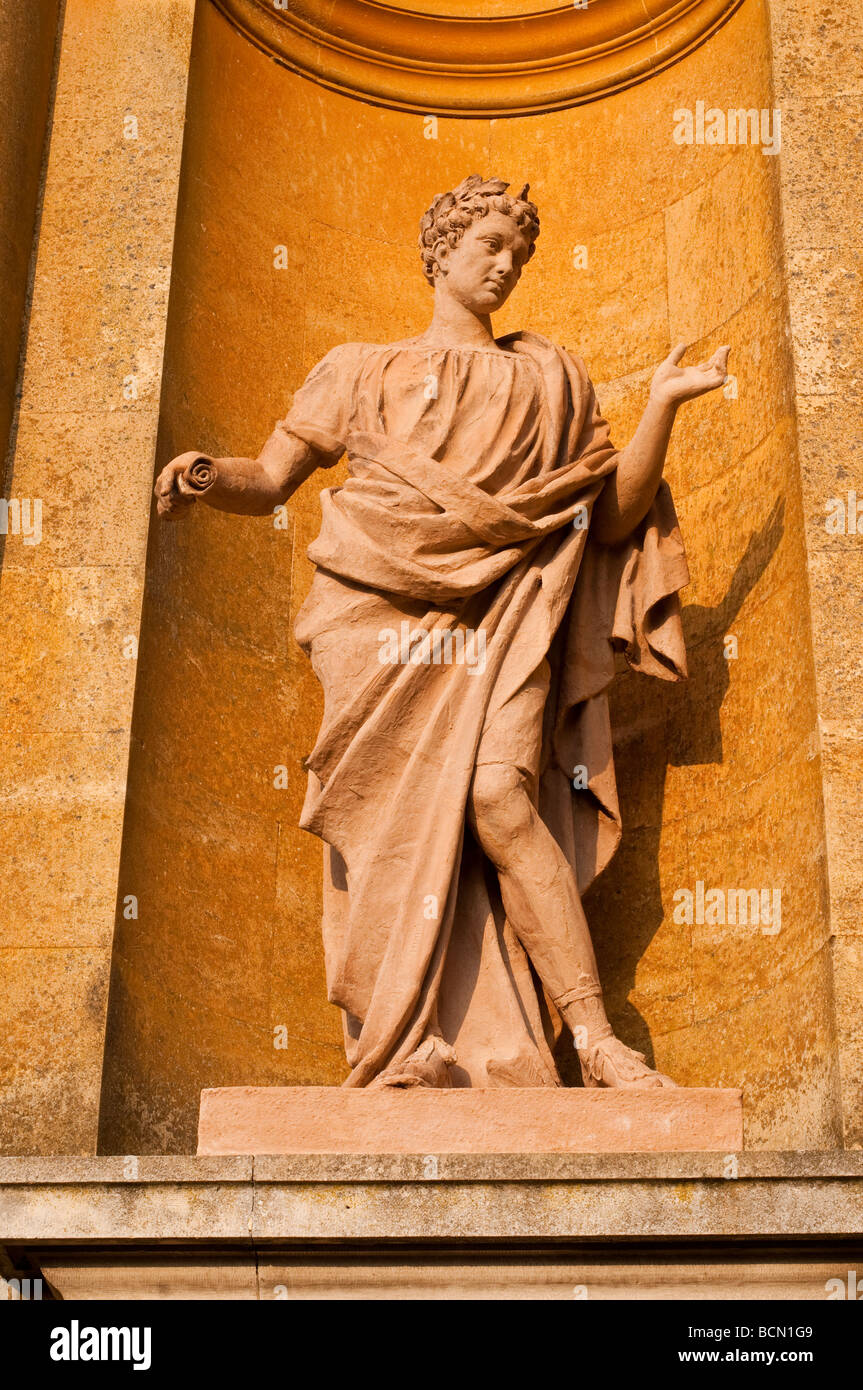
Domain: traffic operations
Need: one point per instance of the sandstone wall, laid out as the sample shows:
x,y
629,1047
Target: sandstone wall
x,y
297,221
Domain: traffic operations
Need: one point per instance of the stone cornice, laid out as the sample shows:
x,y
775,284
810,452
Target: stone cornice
x,y
487,58
778,1197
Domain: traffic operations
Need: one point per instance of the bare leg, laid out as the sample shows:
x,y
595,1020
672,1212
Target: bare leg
x,y
542,904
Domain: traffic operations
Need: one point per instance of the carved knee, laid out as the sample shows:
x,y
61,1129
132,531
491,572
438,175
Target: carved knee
x,y
500,809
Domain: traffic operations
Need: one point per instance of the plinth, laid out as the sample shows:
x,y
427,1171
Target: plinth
x,y
332,1119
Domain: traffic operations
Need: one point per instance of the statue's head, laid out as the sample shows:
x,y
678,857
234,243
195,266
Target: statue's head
x,y
477,239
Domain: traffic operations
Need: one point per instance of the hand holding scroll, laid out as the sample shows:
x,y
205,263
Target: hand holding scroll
x,y
181,481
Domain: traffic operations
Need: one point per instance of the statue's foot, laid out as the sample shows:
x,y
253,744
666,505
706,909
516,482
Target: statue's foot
x,y
609,1062
428,1066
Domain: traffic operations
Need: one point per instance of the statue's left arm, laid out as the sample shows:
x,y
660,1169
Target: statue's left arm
x,y
629,491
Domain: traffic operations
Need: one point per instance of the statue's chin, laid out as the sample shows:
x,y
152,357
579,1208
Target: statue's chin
x,y
487,303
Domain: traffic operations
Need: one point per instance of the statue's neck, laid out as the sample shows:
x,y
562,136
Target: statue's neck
x,y
454,325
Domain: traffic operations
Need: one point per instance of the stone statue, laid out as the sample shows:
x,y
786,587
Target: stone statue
x,y
488,553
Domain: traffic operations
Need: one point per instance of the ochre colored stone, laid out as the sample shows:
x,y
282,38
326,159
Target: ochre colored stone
x,y
720,781
237,345
70,605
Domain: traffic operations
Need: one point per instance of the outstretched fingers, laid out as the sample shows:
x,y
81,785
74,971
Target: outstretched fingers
x,y
717,363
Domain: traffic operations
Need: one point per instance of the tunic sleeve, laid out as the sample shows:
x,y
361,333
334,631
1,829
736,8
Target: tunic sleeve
x,y
321,408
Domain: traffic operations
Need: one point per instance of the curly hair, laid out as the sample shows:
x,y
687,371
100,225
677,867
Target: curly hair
x,y
451,214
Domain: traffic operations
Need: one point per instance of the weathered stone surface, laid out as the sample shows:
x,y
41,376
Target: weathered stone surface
x,y
744,767
377,1225
445,1274
817,73
698,776
27,44
70,604
314,1119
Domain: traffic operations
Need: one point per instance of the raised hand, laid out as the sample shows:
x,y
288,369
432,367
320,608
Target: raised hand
x,y
672,383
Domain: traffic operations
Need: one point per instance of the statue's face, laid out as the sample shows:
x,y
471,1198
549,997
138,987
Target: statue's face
x,y
484,268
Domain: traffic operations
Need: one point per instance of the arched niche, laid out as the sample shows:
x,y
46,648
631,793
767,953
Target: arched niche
x,y
296,230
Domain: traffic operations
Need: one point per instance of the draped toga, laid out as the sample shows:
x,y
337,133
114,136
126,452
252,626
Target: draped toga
x,y
473,473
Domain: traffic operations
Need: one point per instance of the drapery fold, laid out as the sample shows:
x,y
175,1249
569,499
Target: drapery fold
x,y
415,543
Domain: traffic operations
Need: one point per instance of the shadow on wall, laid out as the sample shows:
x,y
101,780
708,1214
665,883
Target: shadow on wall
x,y
676,725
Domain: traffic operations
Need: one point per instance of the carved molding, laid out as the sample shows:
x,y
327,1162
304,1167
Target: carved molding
x,y
515,60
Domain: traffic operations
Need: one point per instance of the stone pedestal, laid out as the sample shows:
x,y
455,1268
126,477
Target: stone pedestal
x,y
331,1119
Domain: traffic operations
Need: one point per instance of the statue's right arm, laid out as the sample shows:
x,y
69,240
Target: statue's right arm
x,y
250,487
